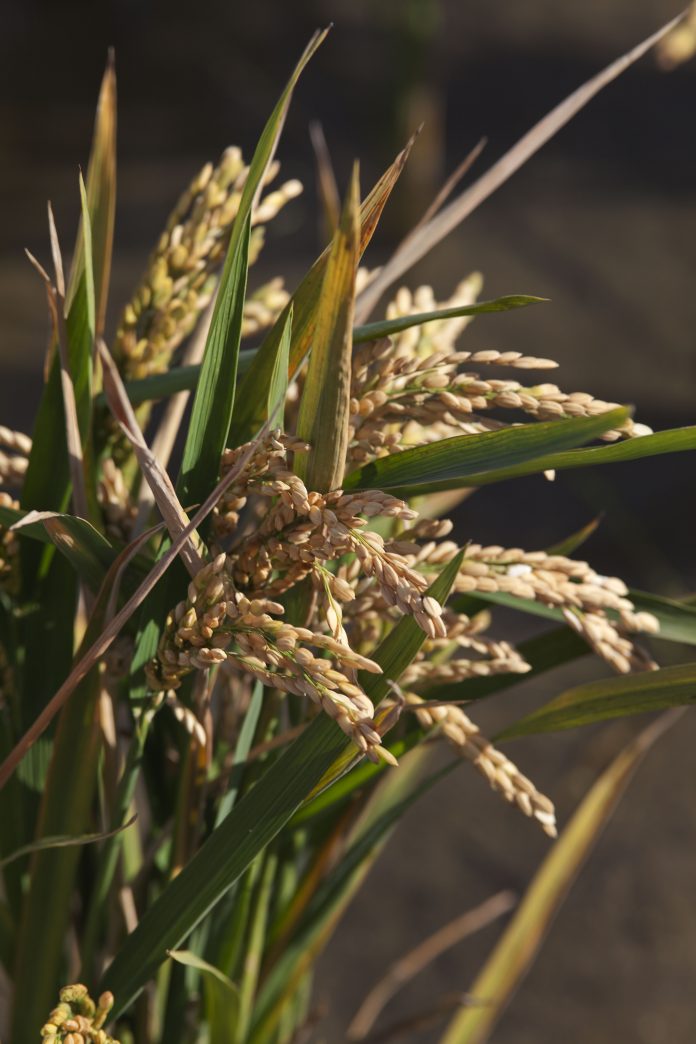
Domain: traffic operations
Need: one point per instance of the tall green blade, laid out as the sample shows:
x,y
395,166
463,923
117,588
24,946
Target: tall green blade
x,y
214,400
325,404
212,405
221,997
46,485
251,400
101,199
399,791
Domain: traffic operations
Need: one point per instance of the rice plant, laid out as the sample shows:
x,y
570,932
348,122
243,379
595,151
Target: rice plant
x,y
227,658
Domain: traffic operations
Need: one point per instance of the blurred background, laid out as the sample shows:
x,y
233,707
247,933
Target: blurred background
x,y
602,222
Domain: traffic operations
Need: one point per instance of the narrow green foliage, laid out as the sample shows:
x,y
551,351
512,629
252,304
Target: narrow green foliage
x,y
214,399
221,996
611,698
391,327
248,415
675,440
571,543
677,620
399,791
65,811
467,460
89,552
88,261
255,945
325,404
63,842
46,485
101,200
278,386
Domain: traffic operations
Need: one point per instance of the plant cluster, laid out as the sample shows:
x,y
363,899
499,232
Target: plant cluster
x,y
269,643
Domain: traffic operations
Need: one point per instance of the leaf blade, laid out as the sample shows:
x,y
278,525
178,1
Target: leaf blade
x,y
462,460
213,403
390,327
248,414
221,996
325,404
610,698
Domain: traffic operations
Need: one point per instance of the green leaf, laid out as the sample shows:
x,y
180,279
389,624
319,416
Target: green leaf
x,y
88,261
521,940
462,460
675,440
65,811
248,415
212,405
214,400
221,997
101,200
66,806
278,387
253,955
398,793
177,379
610,698
575,540
677,620
252,823
89,553
47,481
389,327
325,405
63,841
360,777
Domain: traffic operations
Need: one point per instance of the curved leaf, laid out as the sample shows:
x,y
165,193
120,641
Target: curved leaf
x,y
89,553
677,619
221,996
389,327
610,698
464,459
